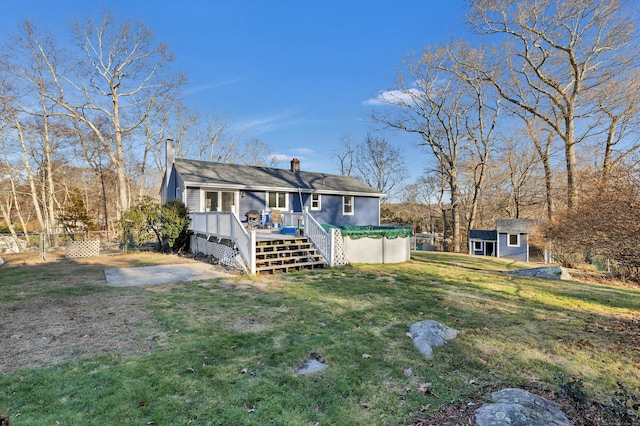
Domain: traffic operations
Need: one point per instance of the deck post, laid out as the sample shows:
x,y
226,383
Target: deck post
x,y
252,252
332,247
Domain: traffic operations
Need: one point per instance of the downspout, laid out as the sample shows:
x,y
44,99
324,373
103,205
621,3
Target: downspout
x,y
300,196
301,210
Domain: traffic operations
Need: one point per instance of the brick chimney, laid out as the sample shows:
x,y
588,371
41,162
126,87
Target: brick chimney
x,y
295,165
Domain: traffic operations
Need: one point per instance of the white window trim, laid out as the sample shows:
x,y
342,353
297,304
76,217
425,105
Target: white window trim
x,y
319,201
477,245
234,206
509,240
353,207
281,208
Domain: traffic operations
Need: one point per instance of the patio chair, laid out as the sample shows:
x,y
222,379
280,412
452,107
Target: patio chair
x,y
276,218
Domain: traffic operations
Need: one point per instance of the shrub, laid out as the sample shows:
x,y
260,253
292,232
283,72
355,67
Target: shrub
x,y
141,222
174,221
604,223
168,224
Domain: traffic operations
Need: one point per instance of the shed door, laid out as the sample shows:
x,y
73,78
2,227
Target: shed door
x,y
489,248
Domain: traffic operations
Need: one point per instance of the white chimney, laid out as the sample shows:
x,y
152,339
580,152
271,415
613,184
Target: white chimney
x,y
170,155
170,158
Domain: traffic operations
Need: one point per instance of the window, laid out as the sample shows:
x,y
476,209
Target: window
x,y
477,245
347,204
316,202
219,201
513,240
277,200
211,201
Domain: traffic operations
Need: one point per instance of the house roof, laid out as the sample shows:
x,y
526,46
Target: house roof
x,y
483,235
237,176
516,226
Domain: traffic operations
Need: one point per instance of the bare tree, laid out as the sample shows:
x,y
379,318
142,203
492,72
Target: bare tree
x,y
542,140
452,108
13,124
522,163
619,112
120,78
380,165
345,156
25,104
555,52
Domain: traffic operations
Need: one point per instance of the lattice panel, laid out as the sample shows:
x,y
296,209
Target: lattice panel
x,y
225,254
339,257
83,249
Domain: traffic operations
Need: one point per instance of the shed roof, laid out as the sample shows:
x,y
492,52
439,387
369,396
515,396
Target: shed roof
x,y
516,226
483,235
204,173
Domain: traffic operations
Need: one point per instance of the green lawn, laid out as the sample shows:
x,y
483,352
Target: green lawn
x,y
226,353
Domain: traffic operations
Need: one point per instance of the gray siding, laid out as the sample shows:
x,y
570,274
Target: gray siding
x,y
515,253
175,186
251,201
193,199
366,211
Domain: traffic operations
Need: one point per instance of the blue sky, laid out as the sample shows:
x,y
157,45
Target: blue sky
x,y
296,75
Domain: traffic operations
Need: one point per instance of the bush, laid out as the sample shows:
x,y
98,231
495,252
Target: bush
x,y
174,221
141,222
168,224
604,223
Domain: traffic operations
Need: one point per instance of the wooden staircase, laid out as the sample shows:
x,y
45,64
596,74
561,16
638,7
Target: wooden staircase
x,y
287,254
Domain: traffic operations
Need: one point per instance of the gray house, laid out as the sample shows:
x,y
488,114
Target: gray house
x,y
510,239
331,199
264,219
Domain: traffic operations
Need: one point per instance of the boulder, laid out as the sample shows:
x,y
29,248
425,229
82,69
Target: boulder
x,y
428,334
517,407
548,272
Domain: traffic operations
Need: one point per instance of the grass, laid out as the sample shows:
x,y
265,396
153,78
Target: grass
x,y
227,353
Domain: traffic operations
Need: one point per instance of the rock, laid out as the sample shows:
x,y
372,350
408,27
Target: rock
x,y
548,272
2,262
429,333
517,407
313,365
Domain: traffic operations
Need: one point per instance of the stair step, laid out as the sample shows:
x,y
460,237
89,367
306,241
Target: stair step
x,y
286,254
284,244
289,260
289,266
280,247
309,251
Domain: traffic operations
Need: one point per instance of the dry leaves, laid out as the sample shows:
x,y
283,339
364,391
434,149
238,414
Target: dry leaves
x,y
425,388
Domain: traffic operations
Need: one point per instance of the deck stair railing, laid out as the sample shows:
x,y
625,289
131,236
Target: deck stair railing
x,y
319,237
227,225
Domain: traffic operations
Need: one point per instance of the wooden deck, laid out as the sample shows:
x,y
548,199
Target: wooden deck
x,y
273,235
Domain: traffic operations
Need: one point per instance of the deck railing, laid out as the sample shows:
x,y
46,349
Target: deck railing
x,y
318,236
227,225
